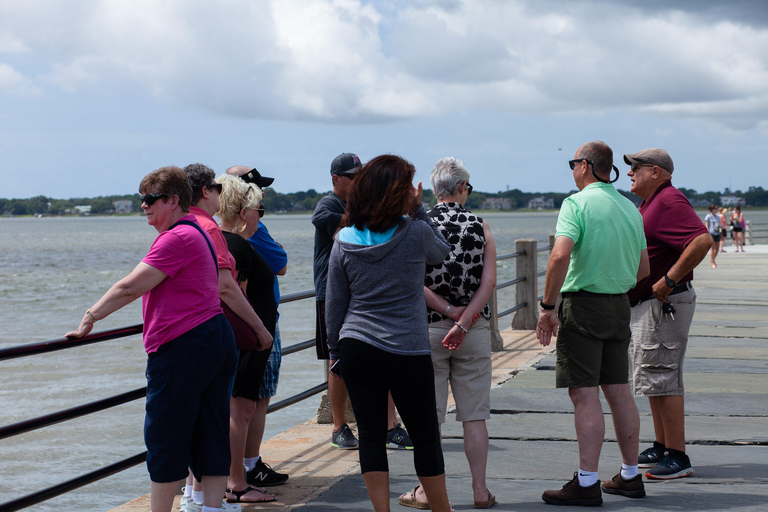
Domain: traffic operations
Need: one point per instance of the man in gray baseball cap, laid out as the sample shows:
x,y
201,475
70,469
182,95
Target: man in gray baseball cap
x,y
662,307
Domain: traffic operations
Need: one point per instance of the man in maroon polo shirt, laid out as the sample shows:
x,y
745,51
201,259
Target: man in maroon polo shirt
x,y
662,308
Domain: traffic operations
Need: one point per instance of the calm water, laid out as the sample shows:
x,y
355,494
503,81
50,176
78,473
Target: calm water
x,y
52,270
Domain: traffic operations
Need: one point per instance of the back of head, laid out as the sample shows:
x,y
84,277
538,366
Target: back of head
x,y
171,181
601,156
199,176
381,193
447,176
236,195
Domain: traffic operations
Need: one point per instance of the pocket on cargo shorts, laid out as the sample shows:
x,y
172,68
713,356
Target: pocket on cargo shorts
x,y
660,367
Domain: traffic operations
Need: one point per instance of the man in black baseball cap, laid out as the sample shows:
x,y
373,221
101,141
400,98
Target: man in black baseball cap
x,y
345,164
250,175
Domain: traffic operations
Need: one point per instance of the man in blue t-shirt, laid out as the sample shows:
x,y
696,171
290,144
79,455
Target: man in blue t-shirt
x,y
258,472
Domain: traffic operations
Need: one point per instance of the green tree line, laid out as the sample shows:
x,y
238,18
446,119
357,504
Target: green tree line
x,y
306,201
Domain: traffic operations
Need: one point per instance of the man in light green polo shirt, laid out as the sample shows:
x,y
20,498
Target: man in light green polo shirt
x,y
599,254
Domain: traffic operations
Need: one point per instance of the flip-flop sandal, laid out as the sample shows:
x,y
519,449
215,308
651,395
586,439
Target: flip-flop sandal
x,y
411,502
487,503
239,495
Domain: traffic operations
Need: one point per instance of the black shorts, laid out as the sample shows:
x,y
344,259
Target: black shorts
x,y
737,230
250,372
321,333
715,238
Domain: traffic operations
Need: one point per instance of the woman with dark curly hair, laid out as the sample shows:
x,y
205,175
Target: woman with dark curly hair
x,y
376,318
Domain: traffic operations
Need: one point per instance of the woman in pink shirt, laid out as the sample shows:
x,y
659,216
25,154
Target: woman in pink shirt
x,y
191,349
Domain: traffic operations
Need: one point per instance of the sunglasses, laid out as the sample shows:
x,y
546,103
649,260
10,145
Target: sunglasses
x,y
349,175
470,188
637,166
151,198
261,211
572,163
217,186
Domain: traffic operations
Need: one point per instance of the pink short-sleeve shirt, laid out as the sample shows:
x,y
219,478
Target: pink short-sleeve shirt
x,y
189,295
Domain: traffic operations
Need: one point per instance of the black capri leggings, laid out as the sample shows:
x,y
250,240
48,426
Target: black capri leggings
x,y
370,374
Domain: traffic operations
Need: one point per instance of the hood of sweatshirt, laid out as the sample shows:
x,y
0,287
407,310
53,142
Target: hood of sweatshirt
x,y
374,253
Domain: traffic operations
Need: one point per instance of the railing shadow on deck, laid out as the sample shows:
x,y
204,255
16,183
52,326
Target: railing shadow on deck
x,y
526,281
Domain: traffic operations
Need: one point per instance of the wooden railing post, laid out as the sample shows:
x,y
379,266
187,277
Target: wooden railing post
x,y
497,343
527,290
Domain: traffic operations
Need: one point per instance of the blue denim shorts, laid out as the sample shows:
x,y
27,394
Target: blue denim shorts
x,y
189,383
272,372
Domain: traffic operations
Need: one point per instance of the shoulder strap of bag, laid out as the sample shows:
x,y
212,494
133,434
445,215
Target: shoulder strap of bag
x,y
210,247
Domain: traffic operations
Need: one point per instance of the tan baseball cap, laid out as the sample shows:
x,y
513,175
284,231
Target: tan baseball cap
x,y
655,156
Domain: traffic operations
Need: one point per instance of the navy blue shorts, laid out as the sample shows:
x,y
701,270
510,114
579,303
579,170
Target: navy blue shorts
x,y
189,384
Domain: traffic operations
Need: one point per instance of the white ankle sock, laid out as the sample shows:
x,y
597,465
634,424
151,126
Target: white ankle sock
x,y
587,478
250,462
197,496
628,472
187,491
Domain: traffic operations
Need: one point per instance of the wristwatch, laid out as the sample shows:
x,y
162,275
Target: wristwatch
x,y
669,281
548,307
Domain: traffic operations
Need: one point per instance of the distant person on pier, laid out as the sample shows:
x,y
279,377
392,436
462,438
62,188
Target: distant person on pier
x,y
598,255
662,307
205,203
328,220
723,227
457,292
737,219
712,220
240,211
258,472
376,319
191,349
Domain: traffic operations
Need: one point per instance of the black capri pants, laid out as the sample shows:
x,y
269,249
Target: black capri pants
x,y
370,374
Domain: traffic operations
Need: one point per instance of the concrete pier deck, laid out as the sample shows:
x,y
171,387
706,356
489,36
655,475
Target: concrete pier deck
x,y
533,443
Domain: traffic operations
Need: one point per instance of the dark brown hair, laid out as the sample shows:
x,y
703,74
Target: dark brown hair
x,y
382,192
170,181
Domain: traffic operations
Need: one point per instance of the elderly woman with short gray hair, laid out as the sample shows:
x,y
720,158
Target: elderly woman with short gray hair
x,y
457,292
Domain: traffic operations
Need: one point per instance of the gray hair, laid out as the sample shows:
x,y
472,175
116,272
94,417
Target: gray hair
x,y
199,176
600,154
446,177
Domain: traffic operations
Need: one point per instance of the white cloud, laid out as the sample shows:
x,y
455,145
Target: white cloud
x,y
354,61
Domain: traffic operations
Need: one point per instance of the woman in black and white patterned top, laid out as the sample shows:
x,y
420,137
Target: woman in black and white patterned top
x,y
457,292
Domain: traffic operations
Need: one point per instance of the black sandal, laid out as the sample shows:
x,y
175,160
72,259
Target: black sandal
x,y
239,494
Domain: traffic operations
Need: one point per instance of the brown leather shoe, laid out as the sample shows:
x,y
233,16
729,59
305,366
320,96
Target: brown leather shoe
x,y
574,494
632,488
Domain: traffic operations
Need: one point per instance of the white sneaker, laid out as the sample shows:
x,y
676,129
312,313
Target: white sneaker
x,y
191,506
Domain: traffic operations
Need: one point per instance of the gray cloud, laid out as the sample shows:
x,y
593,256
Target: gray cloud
x,y
354,62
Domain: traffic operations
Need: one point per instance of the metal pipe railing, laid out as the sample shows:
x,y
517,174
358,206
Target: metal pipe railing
x,y
100,405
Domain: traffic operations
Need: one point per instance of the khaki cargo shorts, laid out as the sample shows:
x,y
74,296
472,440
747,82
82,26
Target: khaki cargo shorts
x,y
658,345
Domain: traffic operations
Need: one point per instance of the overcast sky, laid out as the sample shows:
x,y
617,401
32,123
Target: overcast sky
x,y
94,94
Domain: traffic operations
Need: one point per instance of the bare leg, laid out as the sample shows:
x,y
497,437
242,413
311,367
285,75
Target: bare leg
x,y
713,254
240,415
213,490
590,425
626,420
377,485
162,495
434,487
476,450
256,429
671,415
337,394
391,413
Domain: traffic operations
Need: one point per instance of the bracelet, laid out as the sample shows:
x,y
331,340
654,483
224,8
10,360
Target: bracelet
x,y
447,310
457,324
90,315
547,307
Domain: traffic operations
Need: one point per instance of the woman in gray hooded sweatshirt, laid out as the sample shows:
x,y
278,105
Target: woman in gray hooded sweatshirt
x,y
376,318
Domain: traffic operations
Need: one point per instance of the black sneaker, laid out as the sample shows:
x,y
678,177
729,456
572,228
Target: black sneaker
x,y
674,464
264,476
398,439
344,439
650,457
